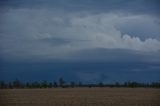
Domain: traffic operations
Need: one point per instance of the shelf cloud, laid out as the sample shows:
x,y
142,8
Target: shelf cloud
x,y
43,32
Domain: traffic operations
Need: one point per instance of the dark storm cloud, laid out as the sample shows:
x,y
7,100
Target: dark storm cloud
x,y
130,6
90,40
81,71
114,55
37,32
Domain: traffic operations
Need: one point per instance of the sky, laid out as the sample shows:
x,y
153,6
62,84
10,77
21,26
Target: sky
x,y
80,40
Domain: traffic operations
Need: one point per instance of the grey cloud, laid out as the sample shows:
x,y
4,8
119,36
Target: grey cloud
x,y
128,6
55,41
142,27
88,40
112,55
47,34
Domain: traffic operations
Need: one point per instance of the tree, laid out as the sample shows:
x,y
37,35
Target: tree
x,y
72,84
50,85
117,84
44,84
17,84
28,85
55,85
35,85
61,82
100,84
80,84
2,84
10,85
125,84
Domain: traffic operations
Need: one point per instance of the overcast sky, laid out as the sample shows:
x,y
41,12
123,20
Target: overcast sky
x,y
88,40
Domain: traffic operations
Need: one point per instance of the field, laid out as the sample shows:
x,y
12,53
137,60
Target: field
x,y
80,97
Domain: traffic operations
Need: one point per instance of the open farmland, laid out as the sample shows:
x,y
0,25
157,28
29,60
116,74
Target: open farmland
x,y
80,97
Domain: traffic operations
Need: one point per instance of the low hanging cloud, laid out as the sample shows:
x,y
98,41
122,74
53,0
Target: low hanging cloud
x,y
47,33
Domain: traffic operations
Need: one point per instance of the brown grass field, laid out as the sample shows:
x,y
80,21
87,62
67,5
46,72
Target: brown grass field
x,y
80,97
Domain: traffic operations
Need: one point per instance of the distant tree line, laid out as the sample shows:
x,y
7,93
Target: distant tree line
x,y
61,83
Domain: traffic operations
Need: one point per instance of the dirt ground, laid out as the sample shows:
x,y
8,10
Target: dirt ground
x,y
80,97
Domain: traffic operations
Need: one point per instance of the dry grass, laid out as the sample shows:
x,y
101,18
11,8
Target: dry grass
x,y
80,97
